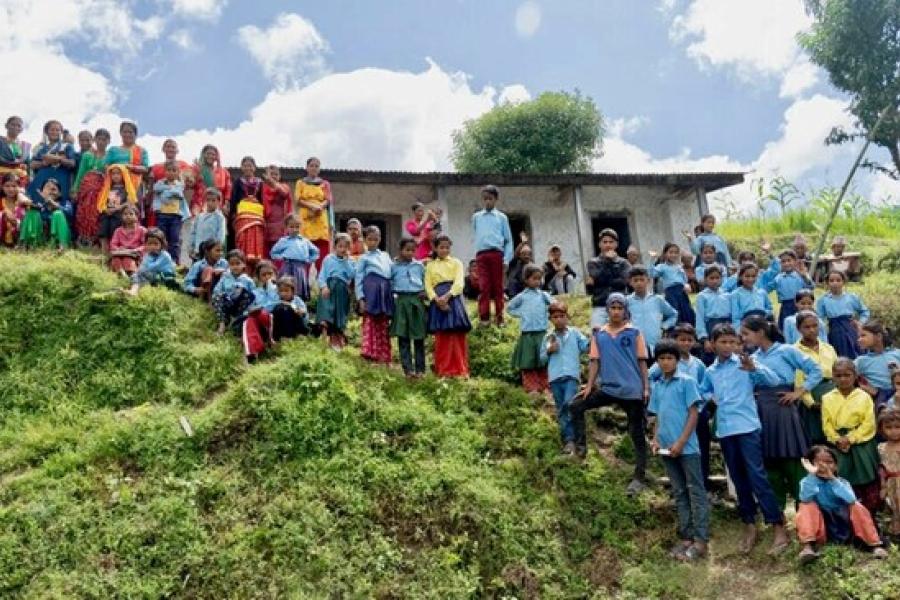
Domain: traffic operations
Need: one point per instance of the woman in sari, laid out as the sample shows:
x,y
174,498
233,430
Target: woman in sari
x,y
277,206
15,154
209,173
419,228
53,159
87,186
314,197
249,220
131,155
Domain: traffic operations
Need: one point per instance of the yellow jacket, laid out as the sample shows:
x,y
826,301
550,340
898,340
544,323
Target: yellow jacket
x,y
855,412
440,270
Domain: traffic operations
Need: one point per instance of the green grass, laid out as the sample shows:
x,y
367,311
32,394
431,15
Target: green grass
x,y
311,474
883,224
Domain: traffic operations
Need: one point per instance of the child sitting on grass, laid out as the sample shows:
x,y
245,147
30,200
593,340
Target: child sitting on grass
x,y
126,247
675,400
530,307
233,295
157,267
829,510
204,274
289,318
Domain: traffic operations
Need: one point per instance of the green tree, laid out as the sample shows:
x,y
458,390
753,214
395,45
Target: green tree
x,y
557,132
858,43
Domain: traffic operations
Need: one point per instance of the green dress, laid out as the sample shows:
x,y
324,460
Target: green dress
x,y
31,231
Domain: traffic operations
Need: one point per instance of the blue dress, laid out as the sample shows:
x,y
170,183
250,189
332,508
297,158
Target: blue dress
x,y
62,175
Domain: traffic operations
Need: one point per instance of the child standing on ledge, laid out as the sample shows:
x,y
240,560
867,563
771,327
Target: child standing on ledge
x,y
493,250
530,306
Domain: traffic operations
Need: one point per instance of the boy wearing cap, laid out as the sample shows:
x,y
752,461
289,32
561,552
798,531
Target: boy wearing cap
x,y
617,375
562,350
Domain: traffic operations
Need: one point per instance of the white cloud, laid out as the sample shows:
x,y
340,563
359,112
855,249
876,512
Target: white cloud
x,y
514,94
368,118
290,51
528,19
799,77
208,10
183,39
884,189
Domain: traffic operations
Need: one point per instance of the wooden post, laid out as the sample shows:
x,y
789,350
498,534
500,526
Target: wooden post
x,y
579,228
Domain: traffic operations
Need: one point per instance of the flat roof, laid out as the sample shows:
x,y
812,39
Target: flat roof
x,y
708,181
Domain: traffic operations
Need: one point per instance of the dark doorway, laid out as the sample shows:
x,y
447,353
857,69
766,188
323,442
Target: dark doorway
x,y
618,223
519,224
388,224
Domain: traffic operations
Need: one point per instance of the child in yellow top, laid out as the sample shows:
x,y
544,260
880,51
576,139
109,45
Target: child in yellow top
x,y
824,355
848,419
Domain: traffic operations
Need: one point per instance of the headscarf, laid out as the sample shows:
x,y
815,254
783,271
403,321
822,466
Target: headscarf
x,y
207,172
130,192
619,298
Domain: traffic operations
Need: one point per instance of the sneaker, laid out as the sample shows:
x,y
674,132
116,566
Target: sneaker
x,y
569,449
635,487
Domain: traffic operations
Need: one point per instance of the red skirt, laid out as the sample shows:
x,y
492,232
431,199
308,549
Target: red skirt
x,y
376,340
451,354
87,217
256,332
123,263
534,380
250,237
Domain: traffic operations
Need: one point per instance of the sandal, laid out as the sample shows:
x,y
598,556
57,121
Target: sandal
x,y
679,551
807,555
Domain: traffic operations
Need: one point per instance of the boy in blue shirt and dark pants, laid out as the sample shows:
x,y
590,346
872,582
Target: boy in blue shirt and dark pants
x,y
619,357
493,250
675,400
562,350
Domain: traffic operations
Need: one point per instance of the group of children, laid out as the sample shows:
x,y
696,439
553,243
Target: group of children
x,y
795,399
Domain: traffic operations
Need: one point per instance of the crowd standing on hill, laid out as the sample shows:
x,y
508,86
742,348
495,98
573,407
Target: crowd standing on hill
x,y
804,404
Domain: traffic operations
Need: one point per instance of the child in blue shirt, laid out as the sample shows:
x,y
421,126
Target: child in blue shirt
x,y
713,307
333,306
829,510
209,224
409,324
157,266
786,285
289,316
617,375
877,363
707,260
170,206
296,254
233,295
376,300
705,234
675,400
649,313
203,275
844,312
730,383
561,351
748,299
674,281
804,300
530,307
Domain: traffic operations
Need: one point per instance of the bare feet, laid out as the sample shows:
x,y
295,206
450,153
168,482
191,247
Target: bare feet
x,y
808,554
780,541
751,534
221,329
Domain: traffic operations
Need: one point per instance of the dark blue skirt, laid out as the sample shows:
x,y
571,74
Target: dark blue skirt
x,y
842,335
378,295
783,435
676,297
788,308
455,319
881,399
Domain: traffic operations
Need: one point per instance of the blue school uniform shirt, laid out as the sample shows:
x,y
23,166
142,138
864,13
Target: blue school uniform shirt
x,y
652,315
743,301
700,272
731,388
691,367
785,361
711,304
530,306
491,228
195,271
671,399
372,262
847,304
266,296
295,247
208,226
158,264
229,283
762,282
876,368
786,285
334,266
830,494
711,239
669,275
165,192
792,334
408,277
565,362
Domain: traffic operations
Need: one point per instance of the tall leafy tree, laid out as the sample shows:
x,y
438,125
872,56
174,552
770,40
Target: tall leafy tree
x,y
557,132
858,43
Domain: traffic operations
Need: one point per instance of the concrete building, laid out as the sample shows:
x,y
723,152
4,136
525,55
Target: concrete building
x,y
568,209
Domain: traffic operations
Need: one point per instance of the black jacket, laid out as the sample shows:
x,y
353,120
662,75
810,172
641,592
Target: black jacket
x,y
609,275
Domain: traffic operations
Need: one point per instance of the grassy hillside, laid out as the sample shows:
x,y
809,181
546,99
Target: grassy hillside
x,y
313,475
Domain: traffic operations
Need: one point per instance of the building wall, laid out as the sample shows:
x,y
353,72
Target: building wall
x,y
656,214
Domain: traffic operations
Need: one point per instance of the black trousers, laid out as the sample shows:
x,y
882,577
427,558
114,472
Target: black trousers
x,y
634,410
406,358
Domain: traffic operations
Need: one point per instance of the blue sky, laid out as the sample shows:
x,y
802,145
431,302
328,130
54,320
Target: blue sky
x,y
683,84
